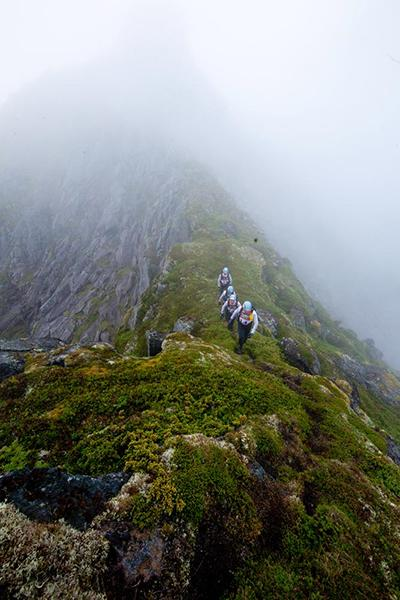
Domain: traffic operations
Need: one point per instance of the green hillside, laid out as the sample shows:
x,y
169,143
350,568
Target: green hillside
x,y
259,477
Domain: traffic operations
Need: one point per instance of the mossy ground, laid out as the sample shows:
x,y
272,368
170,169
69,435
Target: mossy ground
x,y
327,508
269,465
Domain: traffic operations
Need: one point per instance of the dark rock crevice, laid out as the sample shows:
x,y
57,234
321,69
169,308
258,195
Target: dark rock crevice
x,y
47,495
154,340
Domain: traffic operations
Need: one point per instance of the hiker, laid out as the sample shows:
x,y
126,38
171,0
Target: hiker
x,y
247,320
224,280
228,308
226,294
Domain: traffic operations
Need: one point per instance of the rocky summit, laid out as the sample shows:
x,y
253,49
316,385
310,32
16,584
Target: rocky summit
x,y
141,456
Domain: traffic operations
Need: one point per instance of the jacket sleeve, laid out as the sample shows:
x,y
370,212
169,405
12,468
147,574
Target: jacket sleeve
x,y
230,279
222,296
225,304
235,314
255,322
219,280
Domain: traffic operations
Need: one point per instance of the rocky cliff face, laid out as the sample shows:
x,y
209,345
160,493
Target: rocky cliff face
x,y
78,248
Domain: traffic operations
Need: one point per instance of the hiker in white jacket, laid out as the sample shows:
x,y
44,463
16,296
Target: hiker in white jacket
x,y
228,308
247,320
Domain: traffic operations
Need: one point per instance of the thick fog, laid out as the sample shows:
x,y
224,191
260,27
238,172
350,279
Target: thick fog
x,y
294,105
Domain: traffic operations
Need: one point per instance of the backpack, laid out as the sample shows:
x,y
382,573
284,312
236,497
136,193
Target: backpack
x,y
224,279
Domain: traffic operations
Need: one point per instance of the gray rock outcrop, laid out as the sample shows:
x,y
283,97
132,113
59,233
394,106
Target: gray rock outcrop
x,y
77,253
184,325
268,319
29,344
298,318
47,495
12,361
10,364
304,358
393,450
355,399
375,378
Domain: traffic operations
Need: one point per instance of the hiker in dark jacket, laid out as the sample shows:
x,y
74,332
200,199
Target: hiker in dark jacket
x,y
224,280
228,308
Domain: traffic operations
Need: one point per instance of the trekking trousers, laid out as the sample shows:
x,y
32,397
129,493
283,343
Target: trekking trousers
x,y
244,332
227,316
222,288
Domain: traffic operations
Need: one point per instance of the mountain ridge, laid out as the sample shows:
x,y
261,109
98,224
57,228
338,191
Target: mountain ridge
x,y
249,476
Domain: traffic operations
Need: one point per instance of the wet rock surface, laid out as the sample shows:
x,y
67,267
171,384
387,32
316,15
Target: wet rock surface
x,y
393,450
134,556
47,495
137,562
298,318
11,363
184,325
257,470
270,322
12,353
355,399
375,378
304,359
29,344
143,564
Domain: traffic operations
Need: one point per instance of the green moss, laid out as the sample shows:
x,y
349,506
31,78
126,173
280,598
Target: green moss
x,y
124,337
73,412
328,552
13,457
202,479
385,474
383,415
207,474
100,452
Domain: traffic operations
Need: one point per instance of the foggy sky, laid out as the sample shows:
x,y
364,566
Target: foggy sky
x,y
294,104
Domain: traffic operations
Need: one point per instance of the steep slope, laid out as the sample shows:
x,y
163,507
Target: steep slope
x,y
302,330
78,249
250,477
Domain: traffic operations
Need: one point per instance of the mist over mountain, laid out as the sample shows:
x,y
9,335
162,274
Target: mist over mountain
x,y
96,167
148,89
153,89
